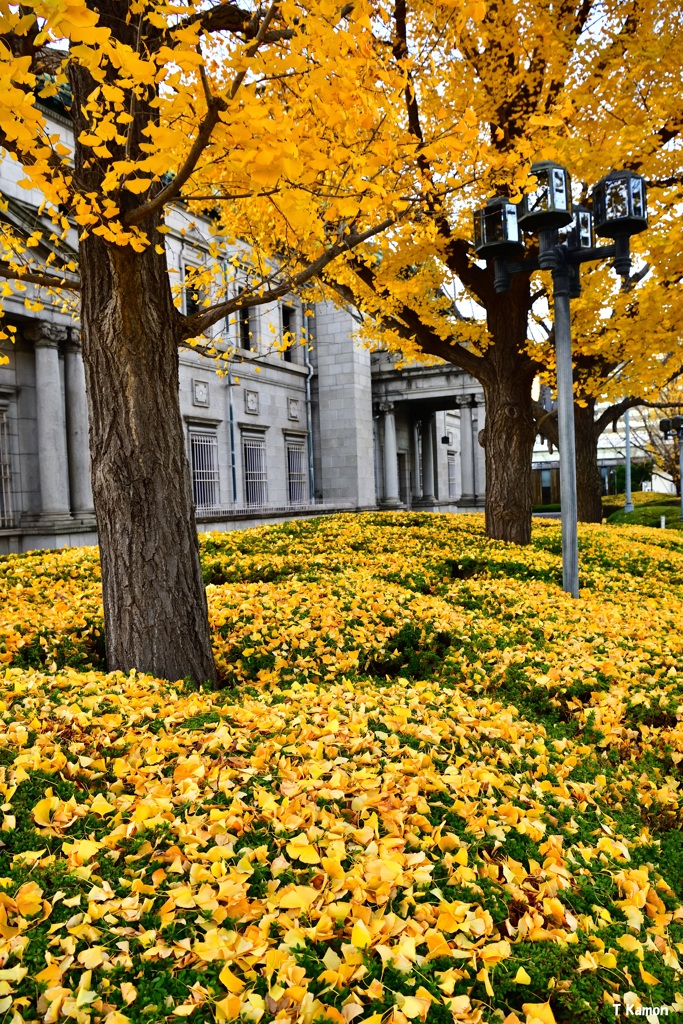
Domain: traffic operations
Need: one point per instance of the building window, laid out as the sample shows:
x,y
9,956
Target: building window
x,y
6,510
452,491
255,477
244,329
191,297
297,472
287,328
546,487
245,320
204,463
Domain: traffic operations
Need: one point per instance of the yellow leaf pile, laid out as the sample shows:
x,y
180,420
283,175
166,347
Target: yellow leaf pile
x,y
435,789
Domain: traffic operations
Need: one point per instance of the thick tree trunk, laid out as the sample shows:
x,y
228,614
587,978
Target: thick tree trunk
x,y
588,478
155,608
510,428
508,442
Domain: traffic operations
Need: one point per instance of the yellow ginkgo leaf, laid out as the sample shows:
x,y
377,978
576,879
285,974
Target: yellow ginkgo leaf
x,y
521,977
101,806
231,981
129,993
360,936
44,809
228,1008
538,1012
93,957
413,1007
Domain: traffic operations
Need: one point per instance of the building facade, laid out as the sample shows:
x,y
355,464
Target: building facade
x,y
326,426
271,431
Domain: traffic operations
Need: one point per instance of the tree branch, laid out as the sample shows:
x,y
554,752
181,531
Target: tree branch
x,y
407,324
200,322
214,106
40,279
458,249
228,17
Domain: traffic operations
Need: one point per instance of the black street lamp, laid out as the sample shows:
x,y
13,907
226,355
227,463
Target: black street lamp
x,y
565,241
674,427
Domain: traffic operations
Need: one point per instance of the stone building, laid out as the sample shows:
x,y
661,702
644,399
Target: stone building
x,y
279,435
322,426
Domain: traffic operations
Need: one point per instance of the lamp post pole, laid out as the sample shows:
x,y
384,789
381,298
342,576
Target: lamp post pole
x,y
628,504
565,241
565,427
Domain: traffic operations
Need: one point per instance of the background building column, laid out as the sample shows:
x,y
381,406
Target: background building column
x,y
77,428
391,489
53,468
427,433
415,476
466,452
479,456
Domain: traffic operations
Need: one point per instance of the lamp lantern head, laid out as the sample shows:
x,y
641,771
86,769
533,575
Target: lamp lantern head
x,y
620,205
547,205
496,230
497,233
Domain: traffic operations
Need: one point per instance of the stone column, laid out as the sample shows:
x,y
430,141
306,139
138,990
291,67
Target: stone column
x,y
416,488
379,483
391,489
427,434
466,452
77,428
479,456
53,468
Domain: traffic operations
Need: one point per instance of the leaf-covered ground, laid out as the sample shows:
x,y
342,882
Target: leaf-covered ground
x,y
434,788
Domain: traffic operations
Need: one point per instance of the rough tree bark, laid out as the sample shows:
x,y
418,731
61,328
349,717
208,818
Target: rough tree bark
x,y
506,375
588,477
155,609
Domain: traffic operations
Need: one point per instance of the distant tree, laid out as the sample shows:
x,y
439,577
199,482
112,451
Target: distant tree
x,y
593,84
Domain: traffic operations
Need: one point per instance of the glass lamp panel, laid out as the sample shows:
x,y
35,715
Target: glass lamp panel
x,y
616,200
494,225
538,198
584,229
511,225
638,198
559,189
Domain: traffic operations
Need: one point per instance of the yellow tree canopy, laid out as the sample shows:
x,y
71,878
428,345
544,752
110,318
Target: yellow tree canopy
x,y
283,122
592,84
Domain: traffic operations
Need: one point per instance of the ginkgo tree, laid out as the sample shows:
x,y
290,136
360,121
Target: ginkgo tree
x,y
592,84
270,119
623,360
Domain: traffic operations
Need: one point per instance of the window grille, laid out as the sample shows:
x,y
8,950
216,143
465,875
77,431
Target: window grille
x,y
255,478
6,511
451,475
297,473
204,462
